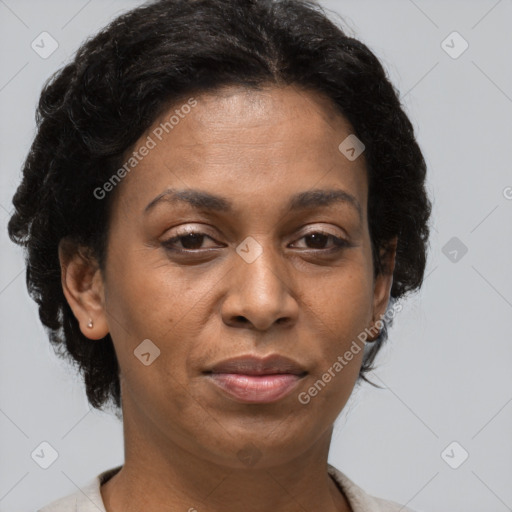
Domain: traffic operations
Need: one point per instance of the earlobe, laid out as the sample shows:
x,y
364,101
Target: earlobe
x,y
82,285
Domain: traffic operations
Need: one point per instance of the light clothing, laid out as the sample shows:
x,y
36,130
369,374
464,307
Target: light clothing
x,y
88,499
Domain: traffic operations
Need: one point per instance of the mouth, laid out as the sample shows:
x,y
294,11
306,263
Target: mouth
x,y
251,379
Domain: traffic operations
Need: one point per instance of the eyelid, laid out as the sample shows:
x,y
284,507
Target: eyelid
x,y
339,241
197,230
180,233
317,229
191,227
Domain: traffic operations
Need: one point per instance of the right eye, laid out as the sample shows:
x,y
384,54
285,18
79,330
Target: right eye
x,y
191,241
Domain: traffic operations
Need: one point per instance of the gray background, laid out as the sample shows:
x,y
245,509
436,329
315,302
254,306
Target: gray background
x,y
446,369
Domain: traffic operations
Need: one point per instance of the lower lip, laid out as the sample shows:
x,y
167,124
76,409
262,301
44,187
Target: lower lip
x,y
260,389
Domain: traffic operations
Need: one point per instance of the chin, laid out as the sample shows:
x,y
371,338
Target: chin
x,y
261,444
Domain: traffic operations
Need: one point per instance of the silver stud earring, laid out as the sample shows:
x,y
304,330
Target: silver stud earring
x,y
89,324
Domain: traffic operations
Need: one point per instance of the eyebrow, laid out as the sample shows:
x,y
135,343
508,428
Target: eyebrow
x,y
302,201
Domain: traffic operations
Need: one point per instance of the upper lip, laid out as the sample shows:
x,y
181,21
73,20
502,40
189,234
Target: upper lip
x,y
254,365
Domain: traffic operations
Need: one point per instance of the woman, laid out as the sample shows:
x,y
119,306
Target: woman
x,y
222,205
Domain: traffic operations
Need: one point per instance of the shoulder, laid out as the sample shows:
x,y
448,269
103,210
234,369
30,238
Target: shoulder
x,y
359,500
86,499
77,501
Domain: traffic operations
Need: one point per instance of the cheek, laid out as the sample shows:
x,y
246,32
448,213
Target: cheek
x,y
150,300
148,297
154,314
342,310
344,302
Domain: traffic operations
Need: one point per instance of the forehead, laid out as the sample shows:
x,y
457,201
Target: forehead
x,y
245,143
234,119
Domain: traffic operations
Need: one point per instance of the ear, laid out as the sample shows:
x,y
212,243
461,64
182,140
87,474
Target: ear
x,y
384,280
82,284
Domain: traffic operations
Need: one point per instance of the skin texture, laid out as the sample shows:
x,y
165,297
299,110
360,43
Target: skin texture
x,y
183,436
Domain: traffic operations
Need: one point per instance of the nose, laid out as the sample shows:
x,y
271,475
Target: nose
x,y
260,293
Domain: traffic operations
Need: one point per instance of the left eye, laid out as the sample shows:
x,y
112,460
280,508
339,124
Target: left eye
x,y
319,238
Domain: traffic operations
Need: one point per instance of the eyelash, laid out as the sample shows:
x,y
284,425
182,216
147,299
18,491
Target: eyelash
x,y
340,243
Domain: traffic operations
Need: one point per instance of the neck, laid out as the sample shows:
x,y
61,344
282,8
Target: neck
x,y
159,474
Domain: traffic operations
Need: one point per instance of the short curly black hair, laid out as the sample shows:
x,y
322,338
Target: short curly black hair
x,y
93,110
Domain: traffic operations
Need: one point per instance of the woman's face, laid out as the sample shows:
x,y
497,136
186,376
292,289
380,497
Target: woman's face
x,y
275,268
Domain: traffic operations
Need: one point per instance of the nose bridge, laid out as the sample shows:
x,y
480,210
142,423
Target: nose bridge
x,y
260,289
260,266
